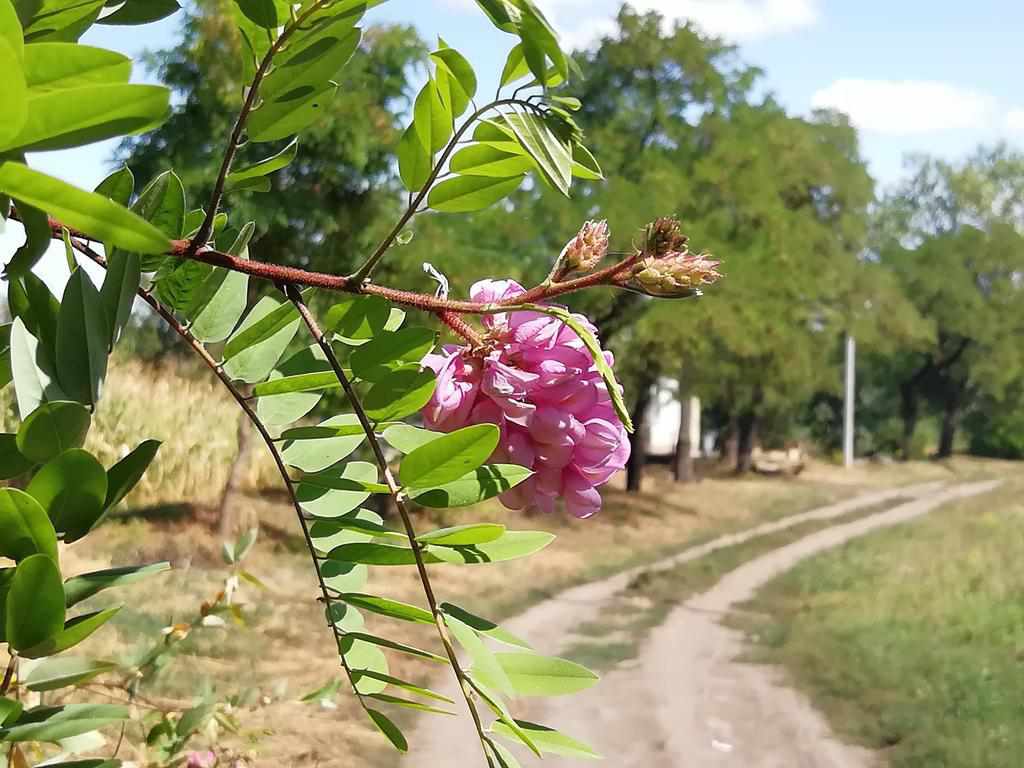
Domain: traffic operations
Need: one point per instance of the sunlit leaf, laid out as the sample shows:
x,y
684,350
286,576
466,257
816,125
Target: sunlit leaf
x,y
58,66
535,675
52,429
464,194
85,585
267,166
450,457
387,351
72,488
74,632
51,724
94,214
35,603
482,483
83,338
389,729
56,673
25,530
399,394
254,349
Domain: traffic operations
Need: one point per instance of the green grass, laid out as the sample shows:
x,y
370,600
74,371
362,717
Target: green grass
x,y
911,640
651,595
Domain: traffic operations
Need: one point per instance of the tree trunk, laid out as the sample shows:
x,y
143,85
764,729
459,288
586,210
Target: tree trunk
x,y
908,412
683,467
745,439
951,411
728,445
226,522
638,440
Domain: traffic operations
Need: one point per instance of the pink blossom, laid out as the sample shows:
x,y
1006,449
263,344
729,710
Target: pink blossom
x,y
538,383
205,759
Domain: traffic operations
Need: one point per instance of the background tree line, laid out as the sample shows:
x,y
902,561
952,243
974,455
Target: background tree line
x,y
926,275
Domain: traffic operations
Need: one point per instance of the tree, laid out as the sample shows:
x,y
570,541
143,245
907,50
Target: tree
x,y
951,234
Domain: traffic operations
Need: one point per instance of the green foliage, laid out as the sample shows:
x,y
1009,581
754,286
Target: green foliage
x,y
292,57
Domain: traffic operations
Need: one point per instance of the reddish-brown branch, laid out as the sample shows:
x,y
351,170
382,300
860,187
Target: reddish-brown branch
x,y
281,274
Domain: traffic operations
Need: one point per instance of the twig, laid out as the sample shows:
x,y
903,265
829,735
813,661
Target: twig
x,y
400,502
206,228
12,665
280,274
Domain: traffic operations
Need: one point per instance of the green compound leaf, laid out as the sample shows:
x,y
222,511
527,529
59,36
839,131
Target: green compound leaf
x,y
449,457
25,530
385,607
406,438
315,455
74,632
74,117
52,674
52,429
399,394
388,351
389,729
548,740
72,488
383,642
358,318
463,535
464,194
85,585
485,666
338,493
135,12
83,338
484,626
35,603
535,675
295,387
12,463
482,483
126,473
51,724
96,215
220,301
254,349
266,166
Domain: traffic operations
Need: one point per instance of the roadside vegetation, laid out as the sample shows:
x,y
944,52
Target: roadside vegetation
x,y
911,640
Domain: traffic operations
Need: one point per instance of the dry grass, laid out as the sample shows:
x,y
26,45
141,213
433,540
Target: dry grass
x,y
284,650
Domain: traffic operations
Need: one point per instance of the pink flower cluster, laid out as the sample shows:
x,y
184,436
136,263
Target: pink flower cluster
x,y
537,382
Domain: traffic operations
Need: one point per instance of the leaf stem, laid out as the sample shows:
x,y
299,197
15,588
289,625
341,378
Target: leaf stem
x,y
235,140
295,296
363,273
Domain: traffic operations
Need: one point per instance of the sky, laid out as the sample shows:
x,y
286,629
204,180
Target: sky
x,y
915,76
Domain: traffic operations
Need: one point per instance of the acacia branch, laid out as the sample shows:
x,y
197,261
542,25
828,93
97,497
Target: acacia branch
x,y
206,228
285,275
295,296
247,408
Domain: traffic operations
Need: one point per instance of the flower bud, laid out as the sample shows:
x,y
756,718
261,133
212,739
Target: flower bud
x,y
586,250
675,275
665,237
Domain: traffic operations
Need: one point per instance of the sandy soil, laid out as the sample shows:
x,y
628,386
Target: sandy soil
x,y
687,701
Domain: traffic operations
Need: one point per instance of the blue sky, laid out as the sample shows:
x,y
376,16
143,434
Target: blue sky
x,y
915,76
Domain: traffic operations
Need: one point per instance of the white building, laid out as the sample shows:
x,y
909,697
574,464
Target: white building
x,y
663,420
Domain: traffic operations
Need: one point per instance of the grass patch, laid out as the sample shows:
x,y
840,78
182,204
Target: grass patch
x,y
911,639
649,597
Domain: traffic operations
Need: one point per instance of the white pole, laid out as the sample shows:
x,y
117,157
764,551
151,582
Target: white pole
x,y
851,352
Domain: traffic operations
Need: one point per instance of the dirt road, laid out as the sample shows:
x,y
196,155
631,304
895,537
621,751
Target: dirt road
x,y
686,701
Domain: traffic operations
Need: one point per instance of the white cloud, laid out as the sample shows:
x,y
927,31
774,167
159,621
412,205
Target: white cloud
x,y
583,21
1013,122
908,107
739,21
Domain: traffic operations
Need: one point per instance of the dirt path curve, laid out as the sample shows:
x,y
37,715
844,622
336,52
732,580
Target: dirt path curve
x,y
685,702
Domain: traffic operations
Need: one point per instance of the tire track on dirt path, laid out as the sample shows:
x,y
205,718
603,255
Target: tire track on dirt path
x,y
625,716
705,708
